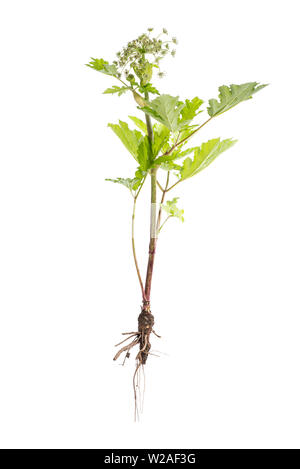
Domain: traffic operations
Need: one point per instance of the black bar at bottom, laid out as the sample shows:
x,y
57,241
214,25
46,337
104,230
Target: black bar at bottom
x,y
142,457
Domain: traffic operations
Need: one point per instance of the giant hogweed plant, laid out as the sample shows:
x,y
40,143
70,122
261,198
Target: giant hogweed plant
x,y
160,147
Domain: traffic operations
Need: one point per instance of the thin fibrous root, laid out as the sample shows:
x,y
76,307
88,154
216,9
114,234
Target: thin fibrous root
x,y
126,347
127,338
128,333
139,356
135,385
127,355
142,339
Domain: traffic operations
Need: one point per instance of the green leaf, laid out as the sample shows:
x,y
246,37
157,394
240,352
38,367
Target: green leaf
x,y
190,110
161,135
131,184
203,156
139,174
130,138
170,166
139,123
165,109
186,132
166,162
164,159
175,155
232,95
182,154
172,210
103,66
144,155
148,88
97,64
116,89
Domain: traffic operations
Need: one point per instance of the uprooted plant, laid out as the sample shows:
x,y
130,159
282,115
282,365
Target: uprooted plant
x,y
160,147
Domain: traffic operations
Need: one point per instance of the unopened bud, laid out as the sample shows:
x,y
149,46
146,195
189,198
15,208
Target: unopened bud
x,y
138,98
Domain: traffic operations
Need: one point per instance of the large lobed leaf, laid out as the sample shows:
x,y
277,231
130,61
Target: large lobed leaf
x,y
190,111
130,138
203,156
165,109
160,134
139,123
144,154
171,112
175,155
136,143
230,96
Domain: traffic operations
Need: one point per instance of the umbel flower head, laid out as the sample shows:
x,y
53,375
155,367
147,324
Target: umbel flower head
x,y
141,55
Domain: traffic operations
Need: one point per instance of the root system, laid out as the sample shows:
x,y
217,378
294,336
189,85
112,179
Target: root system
x,y
141,338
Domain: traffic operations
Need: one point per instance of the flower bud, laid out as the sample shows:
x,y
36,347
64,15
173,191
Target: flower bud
x,y
138,98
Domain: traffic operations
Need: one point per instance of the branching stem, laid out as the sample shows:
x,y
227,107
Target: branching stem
x,y
171,187
164,222
155,219
159,186
133,240
162,201
186,138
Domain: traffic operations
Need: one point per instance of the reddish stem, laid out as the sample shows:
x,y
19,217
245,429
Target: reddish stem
x,y
152,243
153,231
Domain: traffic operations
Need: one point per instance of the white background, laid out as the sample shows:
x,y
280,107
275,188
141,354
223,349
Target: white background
x,y
226,284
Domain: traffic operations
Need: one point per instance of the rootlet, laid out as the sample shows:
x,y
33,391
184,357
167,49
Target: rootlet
x,y
152,458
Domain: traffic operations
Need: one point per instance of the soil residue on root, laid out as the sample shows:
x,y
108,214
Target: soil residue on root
x,y
141,338
145,324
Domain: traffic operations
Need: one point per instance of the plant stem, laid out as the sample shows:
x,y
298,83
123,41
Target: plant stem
x,y
162,201
171,187
159,186
164,223
179,143
133,241
152,243
149,125
186,138
155,222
